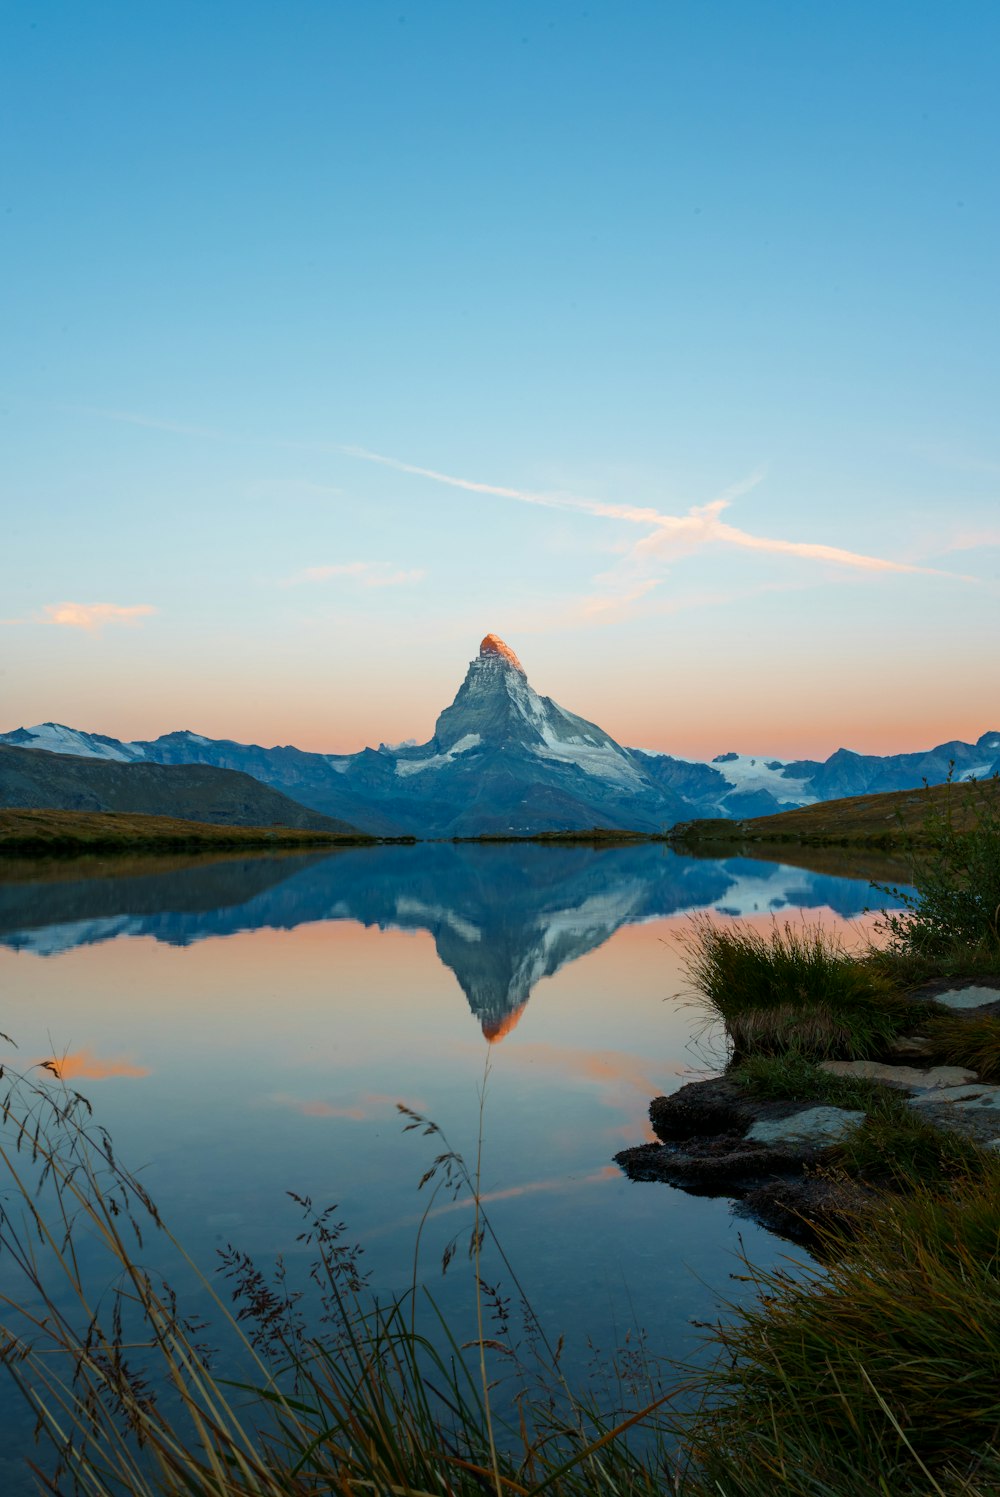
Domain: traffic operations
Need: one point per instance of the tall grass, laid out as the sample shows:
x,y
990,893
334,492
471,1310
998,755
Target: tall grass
x,y
792,989
967,1040
335,1392
878,1375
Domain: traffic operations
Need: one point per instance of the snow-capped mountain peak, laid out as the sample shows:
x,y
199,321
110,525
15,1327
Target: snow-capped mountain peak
x,y
497,708
505,759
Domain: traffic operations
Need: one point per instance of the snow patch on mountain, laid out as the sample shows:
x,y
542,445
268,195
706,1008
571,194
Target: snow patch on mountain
x,y
597,759
980,772
339,762
748,774
436,761
56,738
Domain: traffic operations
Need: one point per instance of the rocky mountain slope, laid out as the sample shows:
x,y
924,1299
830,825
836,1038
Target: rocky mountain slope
x,y
192,792
505,760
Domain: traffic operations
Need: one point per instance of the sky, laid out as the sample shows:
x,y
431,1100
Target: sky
x,y
660,339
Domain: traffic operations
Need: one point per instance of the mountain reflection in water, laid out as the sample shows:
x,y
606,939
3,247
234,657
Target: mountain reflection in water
x,y
502,917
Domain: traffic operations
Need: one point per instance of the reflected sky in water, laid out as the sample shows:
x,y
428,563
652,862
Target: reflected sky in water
x,y
245,1027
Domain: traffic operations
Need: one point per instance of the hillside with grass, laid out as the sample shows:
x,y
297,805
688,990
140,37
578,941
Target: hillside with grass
x,y
47,831
31,779
895,819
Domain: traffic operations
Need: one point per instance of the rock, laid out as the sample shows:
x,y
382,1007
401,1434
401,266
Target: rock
x,y
907,1078
726,1162
816,1127
909,1046
704,1108
804,1208
977,1095
959,998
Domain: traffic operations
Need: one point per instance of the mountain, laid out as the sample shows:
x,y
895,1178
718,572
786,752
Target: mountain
x,y
191,792
504,760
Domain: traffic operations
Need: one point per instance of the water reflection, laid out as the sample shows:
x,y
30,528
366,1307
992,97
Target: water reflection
x,y
246,1026
502,917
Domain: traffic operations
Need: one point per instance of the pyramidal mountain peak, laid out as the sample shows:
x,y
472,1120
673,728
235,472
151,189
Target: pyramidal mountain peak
x,y
504,759
494,645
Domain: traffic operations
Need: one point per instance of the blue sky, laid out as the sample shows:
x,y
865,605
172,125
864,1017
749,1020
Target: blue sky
x,y
600,266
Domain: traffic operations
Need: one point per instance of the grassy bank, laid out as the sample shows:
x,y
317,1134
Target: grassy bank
x,y
877,1375
899,819
34,832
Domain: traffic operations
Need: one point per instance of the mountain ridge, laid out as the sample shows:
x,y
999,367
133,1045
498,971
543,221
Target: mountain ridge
x,y
505,760
202,793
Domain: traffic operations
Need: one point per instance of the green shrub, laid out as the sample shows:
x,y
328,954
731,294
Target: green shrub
x,y
956,871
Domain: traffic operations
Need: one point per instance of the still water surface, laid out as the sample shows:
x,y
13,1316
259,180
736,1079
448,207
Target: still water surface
x,y
246,1026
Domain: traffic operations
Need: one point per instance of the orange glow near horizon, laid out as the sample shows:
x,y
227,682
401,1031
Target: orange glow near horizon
x,y
783,704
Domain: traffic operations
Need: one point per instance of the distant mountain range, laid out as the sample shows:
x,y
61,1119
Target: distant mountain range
x,y
191,792
505,760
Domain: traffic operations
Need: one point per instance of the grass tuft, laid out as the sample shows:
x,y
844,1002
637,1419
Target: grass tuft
x,y
970,1042
897,1149
795,989
876,1376
793,1077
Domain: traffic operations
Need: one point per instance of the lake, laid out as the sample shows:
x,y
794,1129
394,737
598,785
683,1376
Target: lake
x,y
245,1026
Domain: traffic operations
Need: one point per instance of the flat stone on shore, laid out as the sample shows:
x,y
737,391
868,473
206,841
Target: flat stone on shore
x,y
968,997
977,1096
817,1127
907,1078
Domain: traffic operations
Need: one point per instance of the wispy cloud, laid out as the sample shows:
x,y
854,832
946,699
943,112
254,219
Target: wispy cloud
x,y
365,573
637,515
92,617
669,538
670,535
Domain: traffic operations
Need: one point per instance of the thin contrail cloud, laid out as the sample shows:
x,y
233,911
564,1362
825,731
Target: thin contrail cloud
x,y
699,527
